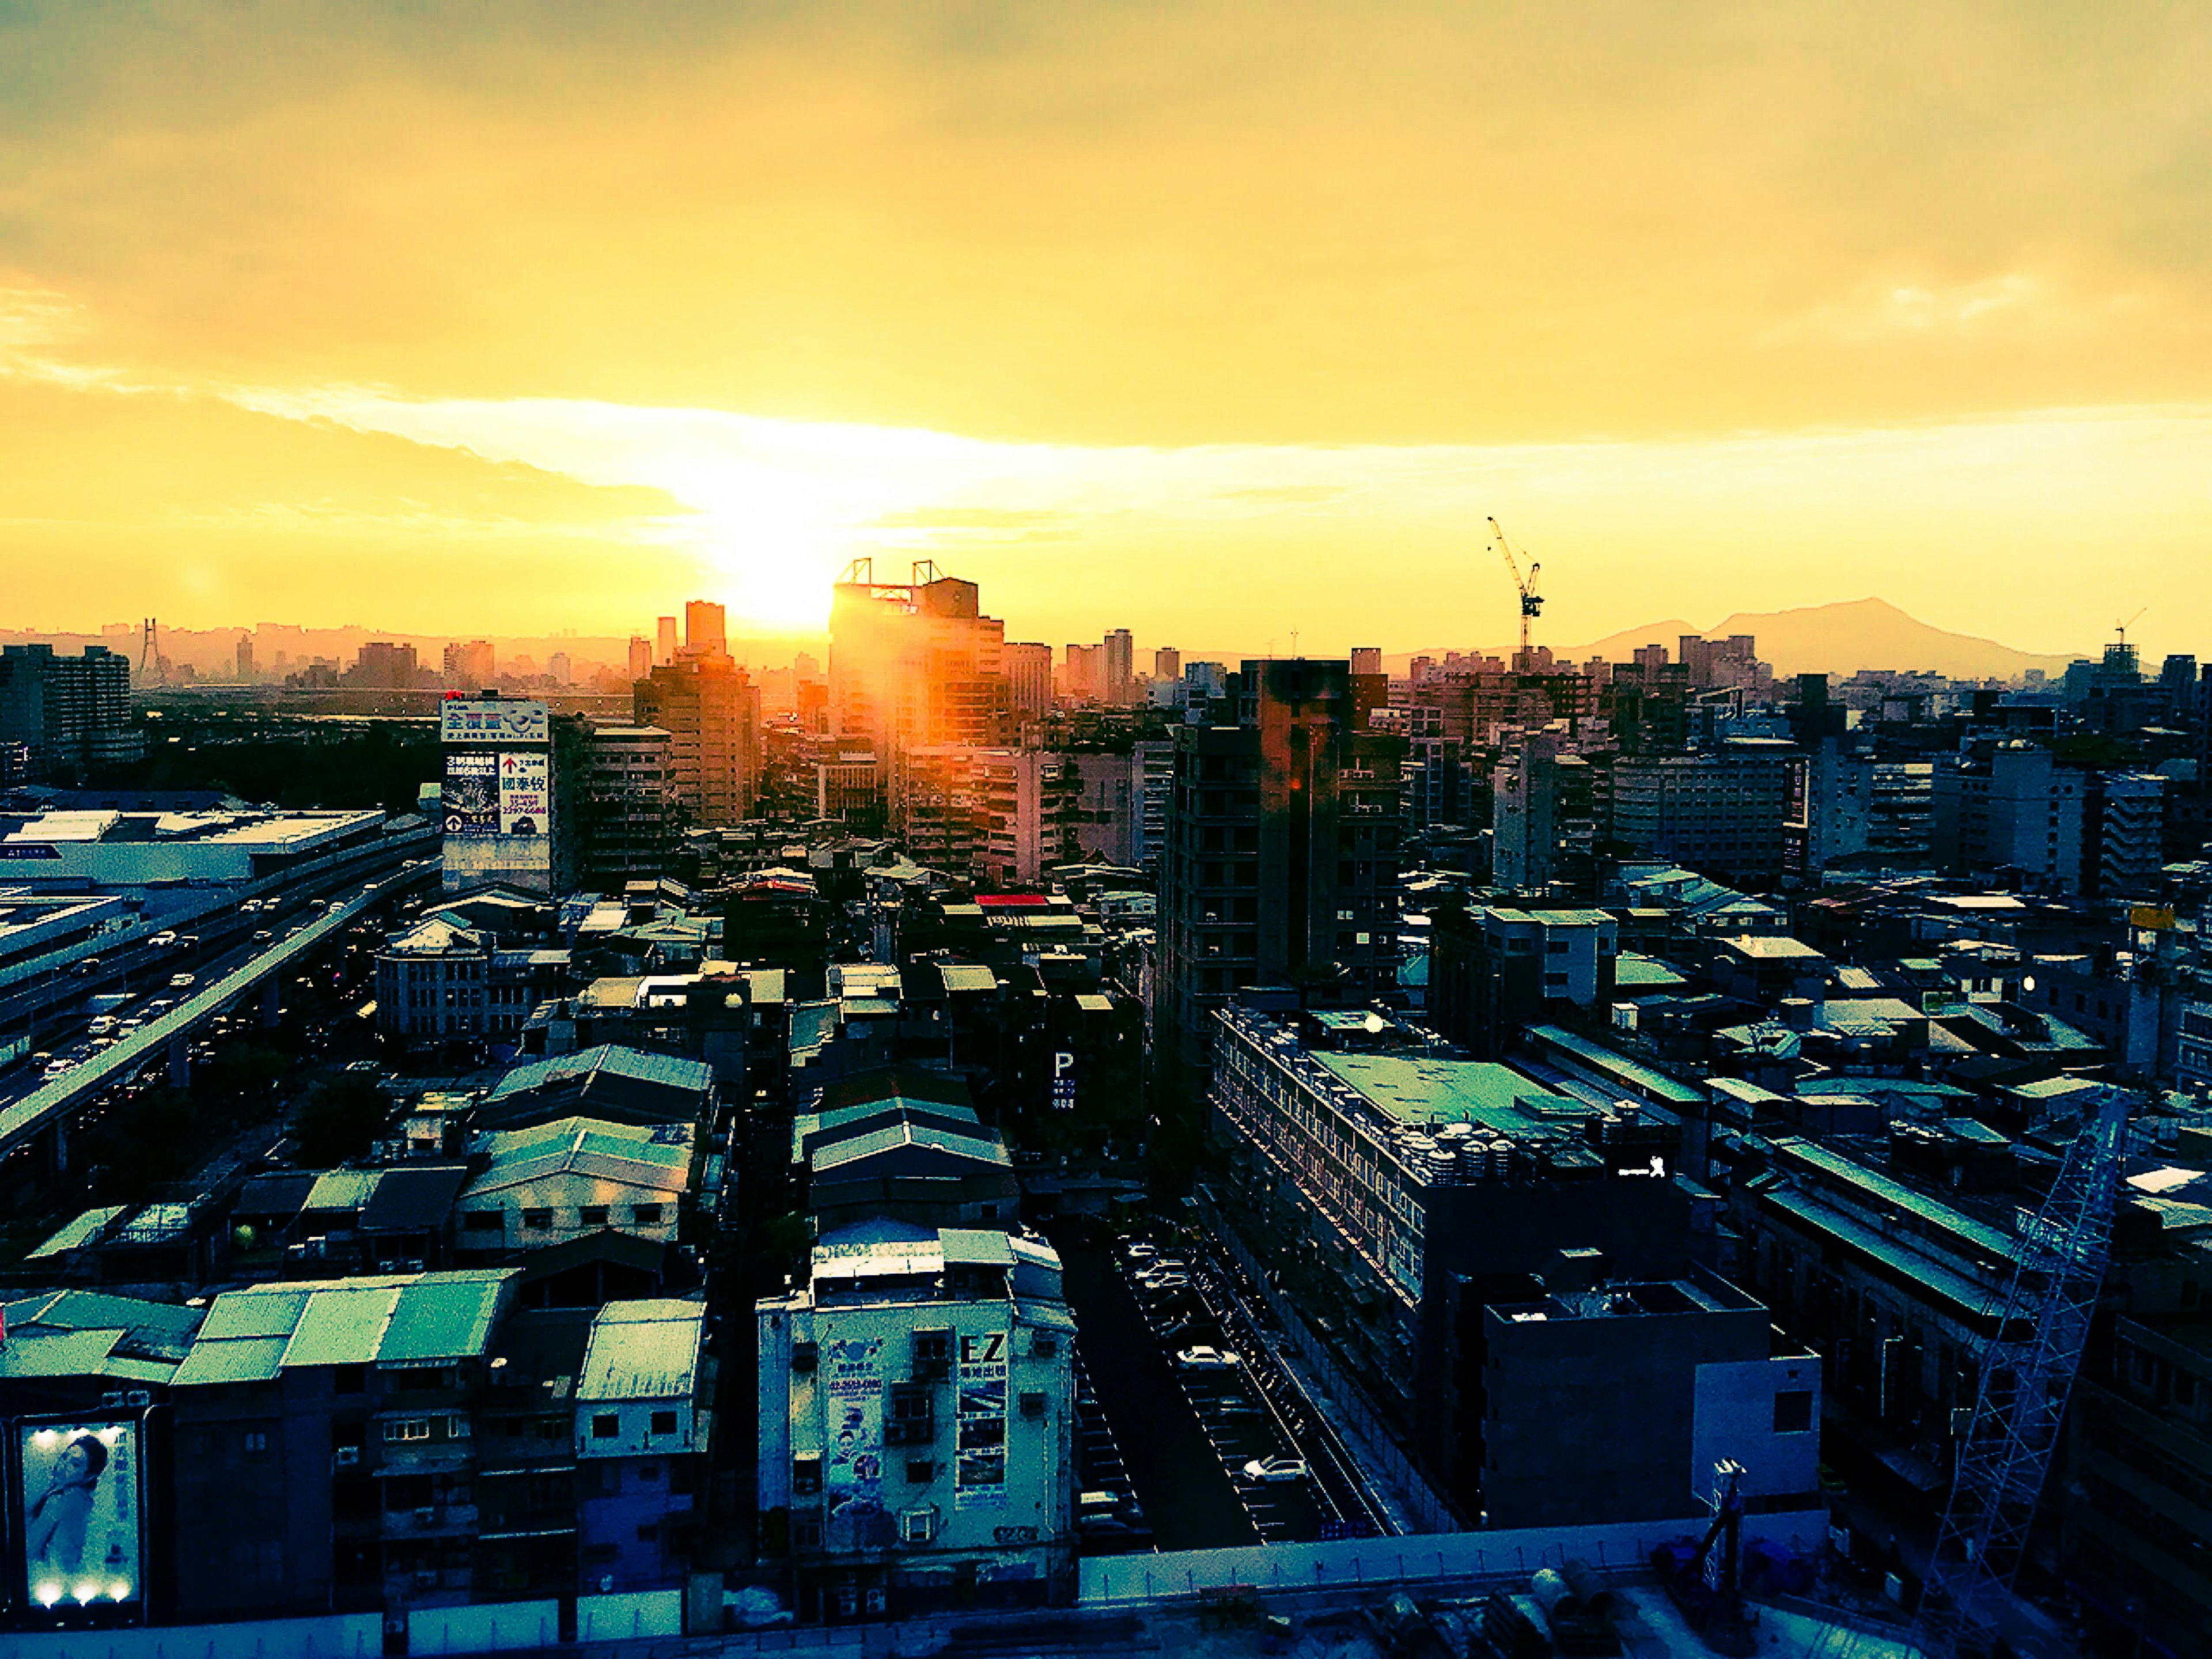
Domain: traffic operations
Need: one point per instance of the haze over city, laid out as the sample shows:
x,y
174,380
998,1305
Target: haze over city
x,y
500,318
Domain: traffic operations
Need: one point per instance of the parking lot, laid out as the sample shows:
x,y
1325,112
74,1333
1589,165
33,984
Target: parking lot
x,y
1220,1450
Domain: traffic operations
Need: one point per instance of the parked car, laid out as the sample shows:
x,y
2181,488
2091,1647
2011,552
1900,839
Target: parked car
x,y
1203,1358
1271,1470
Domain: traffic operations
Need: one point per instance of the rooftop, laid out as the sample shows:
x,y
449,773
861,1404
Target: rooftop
x,y
643,1350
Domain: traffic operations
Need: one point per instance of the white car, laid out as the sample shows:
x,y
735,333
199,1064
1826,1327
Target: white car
x,y
1269,1470
1207,1359
163,940
181,982
58,1068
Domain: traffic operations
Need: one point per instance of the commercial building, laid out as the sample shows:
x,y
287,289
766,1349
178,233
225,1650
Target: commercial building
x,y
1864,809
711,710
2015,808
643,1427
1543,818
917,1422
1123,803
468,665
1118,667
1280,861
706,629
1029,679
68,712
1001,816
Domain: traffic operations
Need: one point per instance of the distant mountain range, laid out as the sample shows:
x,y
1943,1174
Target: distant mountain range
x,y
1837,640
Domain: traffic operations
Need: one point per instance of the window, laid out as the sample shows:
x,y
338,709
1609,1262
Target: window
x,y
605,1425
919,1471
484,1221
349,1379
1792,1411
257,1440
807,1474
538,1220
1032,1405
647,1532
664,1422
593,1215
406,1428
646,1215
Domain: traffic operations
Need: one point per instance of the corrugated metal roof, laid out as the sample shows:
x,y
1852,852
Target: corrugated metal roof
x,y
341,1189
643,1350
445,1317
73,1235
244,1359
695,1076
262,1311
342,1326
657,1158
907,1134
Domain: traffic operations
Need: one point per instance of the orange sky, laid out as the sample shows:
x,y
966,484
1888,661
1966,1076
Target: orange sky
x,y
1216,322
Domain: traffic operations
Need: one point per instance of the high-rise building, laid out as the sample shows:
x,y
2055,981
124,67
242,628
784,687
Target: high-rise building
x,y
468,665
384,665
629,802
67,711
560,669
999,817
1118,664
711,709
641,656
915,663
665,636
1029,679
1167,663
1718,813
242,659
1280,861
1543,818
1366,660
706,629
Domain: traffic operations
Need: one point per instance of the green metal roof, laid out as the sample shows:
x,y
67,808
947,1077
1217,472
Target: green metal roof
x,y
1417,1091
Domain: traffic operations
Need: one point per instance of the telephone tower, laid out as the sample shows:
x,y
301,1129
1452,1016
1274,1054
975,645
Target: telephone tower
x,y
2026,1376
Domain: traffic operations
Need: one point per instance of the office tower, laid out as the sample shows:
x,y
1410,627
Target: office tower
x,y
1029,679
242,660
1118,660
1279,864
629,804
560,669
641,656
1167,663
913,663
67,711
468,665
706,629
1718,813
711,710
665,635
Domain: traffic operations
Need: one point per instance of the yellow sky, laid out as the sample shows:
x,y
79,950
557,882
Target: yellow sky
x,y
1215,322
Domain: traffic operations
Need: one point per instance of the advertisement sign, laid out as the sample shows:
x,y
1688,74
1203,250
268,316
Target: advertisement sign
x,y
524,794
477,720
80,1513
979,1480
853,1461
470,797
1063,1081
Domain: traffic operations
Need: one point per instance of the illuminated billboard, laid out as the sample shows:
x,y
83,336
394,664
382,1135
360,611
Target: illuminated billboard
x,y
81,1512
494,721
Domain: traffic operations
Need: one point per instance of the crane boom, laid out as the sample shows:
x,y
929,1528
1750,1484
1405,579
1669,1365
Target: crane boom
x,y
1531,602
2026,1375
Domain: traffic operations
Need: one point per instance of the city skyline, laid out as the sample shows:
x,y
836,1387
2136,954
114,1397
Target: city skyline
x,y
1754,309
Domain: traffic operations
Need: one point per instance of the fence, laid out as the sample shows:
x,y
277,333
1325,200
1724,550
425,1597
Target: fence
x,y
340,1635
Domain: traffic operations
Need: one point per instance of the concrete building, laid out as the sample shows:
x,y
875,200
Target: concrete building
x,y
1280,861
1122,807
630,807
1167,663
169,856
706,629
999,816
1863,809
510,777
68,712
914,663
641,657
442,980
468,665
1398,1192
1607,1401
1029,679
1118,667
1720,811
643,1424
1543,817
917,1423
2016,807
1494,970
711,710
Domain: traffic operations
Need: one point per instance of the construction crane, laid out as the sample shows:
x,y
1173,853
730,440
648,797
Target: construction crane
x,y
2121,628
1531,602
2026,1376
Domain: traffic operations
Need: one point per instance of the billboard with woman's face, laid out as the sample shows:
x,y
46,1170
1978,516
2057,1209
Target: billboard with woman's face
x,y
80,1510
